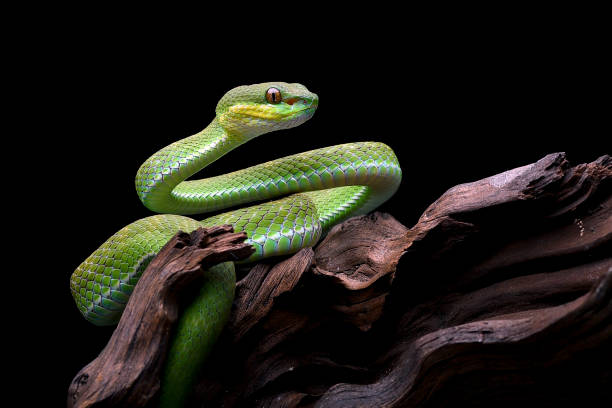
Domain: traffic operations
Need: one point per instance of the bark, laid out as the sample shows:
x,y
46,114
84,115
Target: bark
x,y
126,373
500,294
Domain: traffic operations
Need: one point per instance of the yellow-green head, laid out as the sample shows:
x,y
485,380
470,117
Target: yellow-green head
x,y
253,110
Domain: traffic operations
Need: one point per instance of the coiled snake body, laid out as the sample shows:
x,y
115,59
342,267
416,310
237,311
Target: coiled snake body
x,y
319,188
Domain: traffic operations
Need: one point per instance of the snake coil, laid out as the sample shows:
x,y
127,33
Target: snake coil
x,y
310,192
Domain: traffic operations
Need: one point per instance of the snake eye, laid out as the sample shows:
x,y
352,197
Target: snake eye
x,y
273,95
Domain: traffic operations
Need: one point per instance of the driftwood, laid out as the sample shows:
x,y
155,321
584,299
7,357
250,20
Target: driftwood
x,y
501,294
127,371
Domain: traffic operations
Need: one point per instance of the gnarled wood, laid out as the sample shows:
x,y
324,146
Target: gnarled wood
x,y
126,373
493,273
501,294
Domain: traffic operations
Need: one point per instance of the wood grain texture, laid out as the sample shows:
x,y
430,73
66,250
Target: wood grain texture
x,y
126,373
501,294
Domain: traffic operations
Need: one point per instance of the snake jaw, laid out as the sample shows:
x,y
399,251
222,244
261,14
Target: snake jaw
x,y
283,111
254,120
265,112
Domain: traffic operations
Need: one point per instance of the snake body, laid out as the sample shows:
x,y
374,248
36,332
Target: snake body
x,y
310,192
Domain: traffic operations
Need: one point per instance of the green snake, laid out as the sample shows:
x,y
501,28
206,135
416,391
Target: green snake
x,y
309,192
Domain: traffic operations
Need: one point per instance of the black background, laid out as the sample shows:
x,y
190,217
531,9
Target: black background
x,y
455,105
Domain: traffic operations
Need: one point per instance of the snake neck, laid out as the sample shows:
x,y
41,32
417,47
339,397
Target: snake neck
x,y
159,175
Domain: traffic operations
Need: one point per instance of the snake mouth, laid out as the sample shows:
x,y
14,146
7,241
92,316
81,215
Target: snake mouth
x,y
299,107
281,112
306,111
309,106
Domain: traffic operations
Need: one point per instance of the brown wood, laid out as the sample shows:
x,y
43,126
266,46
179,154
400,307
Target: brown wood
x,y
501,294
126,373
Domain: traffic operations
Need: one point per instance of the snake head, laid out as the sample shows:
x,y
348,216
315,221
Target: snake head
x,y
253,110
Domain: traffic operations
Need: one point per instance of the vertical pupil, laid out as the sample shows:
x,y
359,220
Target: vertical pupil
x,y
273,95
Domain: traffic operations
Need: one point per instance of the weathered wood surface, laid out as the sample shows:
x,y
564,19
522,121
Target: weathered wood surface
x,y
126,373
500,294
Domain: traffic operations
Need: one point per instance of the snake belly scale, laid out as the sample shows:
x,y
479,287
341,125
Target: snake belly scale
x,y
307,194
